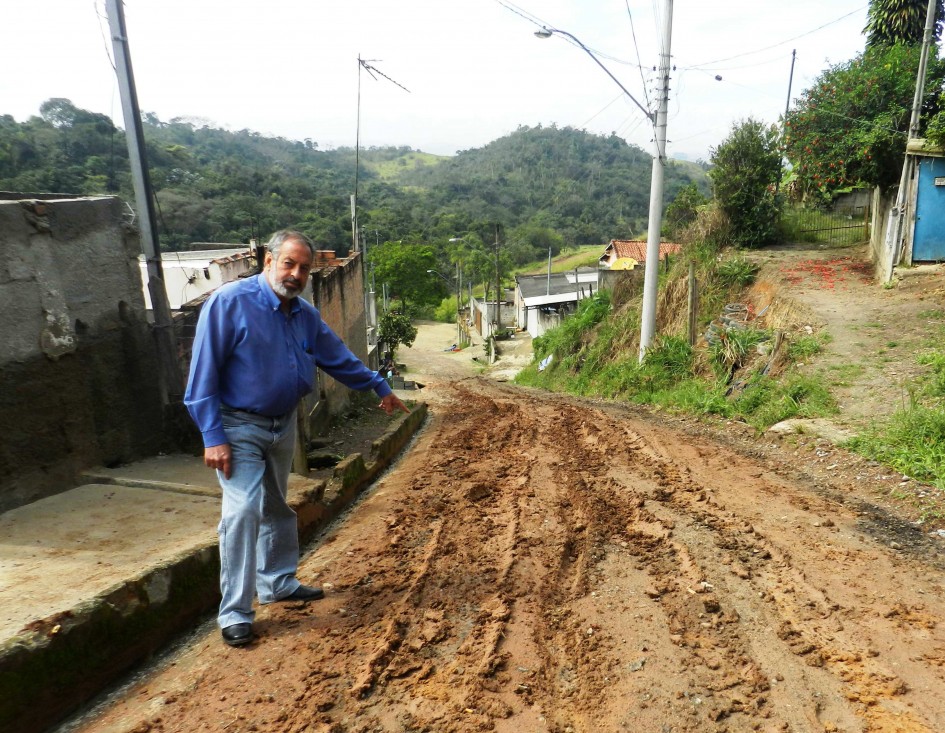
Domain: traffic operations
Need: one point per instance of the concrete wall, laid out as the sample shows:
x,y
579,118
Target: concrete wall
x,y
483,315
78,385
882,241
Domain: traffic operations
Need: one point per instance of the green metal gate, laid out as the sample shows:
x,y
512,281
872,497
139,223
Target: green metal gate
x,y
841,224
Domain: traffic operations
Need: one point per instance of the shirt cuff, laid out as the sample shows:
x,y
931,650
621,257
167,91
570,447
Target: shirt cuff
x,y
214,436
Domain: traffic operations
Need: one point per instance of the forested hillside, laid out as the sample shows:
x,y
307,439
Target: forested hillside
x,y
588,188
215,185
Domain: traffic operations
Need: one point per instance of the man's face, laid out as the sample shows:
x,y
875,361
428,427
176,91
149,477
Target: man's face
x,y
289,273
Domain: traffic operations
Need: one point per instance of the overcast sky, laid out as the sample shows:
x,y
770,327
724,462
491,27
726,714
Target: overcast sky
x,y
473,68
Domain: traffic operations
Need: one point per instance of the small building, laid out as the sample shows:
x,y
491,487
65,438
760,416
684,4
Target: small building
x,y
482,316
190,274
926,240
542,302
625,254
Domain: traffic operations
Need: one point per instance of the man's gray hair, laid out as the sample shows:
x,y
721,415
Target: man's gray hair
x,y
274,245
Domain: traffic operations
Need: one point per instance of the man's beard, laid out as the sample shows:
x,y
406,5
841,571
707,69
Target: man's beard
x,y
279,285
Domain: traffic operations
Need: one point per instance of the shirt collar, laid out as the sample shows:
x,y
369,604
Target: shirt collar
x,y
270,297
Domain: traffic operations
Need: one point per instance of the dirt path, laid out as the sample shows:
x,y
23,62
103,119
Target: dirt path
x,y
541,563
874,333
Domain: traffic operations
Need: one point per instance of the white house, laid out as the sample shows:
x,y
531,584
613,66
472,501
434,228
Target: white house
x,y
543,301
188,275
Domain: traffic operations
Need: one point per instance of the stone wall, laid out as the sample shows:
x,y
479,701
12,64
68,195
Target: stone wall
x,y
78,377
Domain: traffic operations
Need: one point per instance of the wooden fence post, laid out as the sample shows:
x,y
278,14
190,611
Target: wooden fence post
x,y
693,303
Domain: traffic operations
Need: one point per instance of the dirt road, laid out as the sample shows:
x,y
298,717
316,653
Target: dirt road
x,y
541,563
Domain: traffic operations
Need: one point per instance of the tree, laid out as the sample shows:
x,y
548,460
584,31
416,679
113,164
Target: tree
x,y
848,127
403,266
900,21
683,210
396,329
746,166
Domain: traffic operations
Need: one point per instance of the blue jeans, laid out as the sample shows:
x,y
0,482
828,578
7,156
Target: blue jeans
x,y
259,539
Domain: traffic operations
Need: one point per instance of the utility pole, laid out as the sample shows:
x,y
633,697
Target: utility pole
x,y
459,324
498,284
787,108
357,164
651,271
172,381
895,232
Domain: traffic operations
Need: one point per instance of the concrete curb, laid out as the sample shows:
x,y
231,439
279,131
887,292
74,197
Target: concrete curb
x,y
58,663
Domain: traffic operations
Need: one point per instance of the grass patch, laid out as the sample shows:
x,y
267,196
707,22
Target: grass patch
x,y
568,259
841,375
766,401
594,353
934,386
913,442
736,272
807,346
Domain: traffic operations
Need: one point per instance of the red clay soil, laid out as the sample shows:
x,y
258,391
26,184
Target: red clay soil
x,y
542,563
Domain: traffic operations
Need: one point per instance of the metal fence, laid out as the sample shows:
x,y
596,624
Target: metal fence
x,y
841,224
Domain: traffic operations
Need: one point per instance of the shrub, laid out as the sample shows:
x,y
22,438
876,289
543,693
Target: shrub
x,y
731,350
396,329
746,167
446,311
736,272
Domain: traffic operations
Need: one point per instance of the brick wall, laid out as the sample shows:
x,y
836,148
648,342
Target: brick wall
x,y
336,289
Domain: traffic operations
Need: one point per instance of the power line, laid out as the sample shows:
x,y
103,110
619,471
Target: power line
x,y
521,12
101,28
780,43
535,20
636,46
601,110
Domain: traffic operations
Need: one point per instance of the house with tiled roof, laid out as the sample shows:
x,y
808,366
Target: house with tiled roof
x,y
625,254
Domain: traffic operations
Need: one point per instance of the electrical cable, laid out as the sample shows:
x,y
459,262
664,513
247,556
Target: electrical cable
x,y
780,43
636,47
535,20
101,29
601,110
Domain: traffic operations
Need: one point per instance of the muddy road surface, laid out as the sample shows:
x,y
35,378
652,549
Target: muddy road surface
x,y
541,563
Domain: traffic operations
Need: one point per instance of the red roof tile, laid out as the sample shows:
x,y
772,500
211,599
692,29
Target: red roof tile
x,y
636,249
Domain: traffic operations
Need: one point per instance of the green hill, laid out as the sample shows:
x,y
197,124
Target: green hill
x,y
552,187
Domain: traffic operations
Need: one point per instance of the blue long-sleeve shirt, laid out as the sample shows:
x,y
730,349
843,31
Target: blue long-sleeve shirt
x,y
248,354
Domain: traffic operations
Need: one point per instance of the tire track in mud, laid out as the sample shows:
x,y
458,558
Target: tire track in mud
x,y
543,563
803,614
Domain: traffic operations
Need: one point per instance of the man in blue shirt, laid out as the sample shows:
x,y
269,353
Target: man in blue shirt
x,y
254,356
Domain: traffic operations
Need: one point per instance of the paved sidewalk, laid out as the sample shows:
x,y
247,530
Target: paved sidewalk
x,y
95,579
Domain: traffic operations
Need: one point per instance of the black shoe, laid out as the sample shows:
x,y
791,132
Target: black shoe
x,y
304,594
238,634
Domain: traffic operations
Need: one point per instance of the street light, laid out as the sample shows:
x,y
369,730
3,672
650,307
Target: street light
x,y
658,120
459,327
549,32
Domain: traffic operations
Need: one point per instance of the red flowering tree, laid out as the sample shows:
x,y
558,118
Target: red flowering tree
x,y
849,127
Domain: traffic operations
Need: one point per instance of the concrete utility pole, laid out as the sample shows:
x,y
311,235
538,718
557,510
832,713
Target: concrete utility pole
x,y
787,109
172,381
651,271
498,286
895,232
